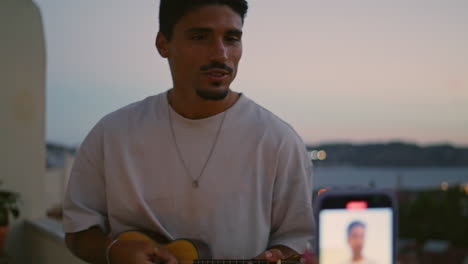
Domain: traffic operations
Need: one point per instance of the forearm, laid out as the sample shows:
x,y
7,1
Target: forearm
x,y
89,245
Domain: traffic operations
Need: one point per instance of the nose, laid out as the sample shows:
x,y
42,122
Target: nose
x,y
219,51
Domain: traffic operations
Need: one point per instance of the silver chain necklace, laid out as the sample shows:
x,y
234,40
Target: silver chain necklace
x,y
195,181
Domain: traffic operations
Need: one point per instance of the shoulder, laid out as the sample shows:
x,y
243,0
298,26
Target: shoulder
x,y
133,112
270,123
120,122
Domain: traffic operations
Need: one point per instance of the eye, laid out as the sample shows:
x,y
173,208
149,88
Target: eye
x,y
232,39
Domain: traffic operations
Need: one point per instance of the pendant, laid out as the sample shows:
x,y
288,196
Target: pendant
x,y
195,184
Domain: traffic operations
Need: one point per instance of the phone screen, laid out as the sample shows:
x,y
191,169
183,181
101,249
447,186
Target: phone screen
x,y
356,230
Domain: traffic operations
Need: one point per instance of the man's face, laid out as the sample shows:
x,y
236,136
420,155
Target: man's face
x,y
205,50
356,239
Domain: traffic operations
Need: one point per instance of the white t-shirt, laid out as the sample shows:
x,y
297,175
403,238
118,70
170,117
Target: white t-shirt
x,y
255,191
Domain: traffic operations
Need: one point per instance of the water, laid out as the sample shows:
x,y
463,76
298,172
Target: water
x,y
405,178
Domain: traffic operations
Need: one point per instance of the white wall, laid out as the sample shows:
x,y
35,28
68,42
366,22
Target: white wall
x,y
44,244
22,102
22,109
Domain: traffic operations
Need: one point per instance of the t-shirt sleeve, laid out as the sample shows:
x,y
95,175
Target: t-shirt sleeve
x,y
292,215
84,203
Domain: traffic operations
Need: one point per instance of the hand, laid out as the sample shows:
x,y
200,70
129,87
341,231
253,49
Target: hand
x,y
271,255
274,254
138,252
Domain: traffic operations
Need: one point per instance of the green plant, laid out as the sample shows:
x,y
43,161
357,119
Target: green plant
x,y
436,214
8,206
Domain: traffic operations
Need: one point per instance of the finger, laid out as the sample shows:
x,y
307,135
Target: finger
x,y
164,255
271,255
275,255
263,255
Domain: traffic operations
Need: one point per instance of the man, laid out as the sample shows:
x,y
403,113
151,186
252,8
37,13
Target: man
x,y
356,235
199,161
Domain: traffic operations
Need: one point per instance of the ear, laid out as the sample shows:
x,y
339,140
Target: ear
x,y
161,45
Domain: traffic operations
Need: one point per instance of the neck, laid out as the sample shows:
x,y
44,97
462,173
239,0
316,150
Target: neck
x,y
195,107
357,257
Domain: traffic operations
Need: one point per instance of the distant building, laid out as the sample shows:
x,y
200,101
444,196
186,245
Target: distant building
x,y
55,156
59,161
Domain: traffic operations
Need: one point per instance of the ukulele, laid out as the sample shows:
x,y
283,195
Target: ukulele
x,y
189,251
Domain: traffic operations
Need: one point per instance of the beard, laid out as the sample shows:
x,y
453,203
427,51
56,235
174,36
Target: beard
x,y
217,95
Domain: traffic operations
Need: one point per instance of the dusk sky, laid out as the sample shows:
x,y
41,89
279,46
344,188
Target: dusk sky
x,y
336,70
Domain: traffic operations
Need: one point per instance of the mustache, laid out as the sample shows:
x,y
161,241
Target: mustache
x,y
216,65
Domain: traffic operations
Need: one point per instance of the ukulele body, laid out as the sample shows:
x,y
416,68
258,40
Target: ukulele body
x,y
185,250
189,251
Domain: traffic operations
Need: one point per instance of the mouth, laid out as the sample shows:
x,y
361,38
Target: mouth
x,y
217,75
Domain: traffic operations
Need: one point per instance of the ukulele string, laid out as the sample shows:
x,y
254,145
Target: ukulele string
x,y
210,261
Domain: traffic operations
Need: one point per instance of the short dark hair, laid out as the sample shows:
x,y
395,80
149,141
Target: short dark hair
x,y
355,224
171,11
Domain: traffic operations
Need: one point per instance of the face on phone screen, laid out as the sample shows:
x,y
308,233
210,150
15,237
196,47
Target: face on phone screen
x,y
356,234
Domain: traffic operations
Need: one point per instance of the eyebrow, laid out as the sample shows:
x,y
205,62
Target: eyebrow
x,y
208,30
234,32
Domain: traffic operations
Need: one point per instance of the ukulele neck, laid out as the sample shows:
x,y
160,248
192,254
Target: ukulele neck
x,y
240,261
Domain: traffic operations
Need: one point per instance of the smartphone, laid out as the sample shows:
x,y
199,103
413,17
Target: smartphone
x,y
356,226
